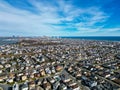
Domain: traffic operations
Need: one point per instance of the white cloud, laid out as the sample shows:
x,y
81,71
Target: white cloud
x,y
41,23
111,29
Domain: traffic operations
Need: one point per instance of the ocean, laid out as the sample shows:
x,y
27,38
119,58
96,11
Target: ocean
x,y
100,38
5,40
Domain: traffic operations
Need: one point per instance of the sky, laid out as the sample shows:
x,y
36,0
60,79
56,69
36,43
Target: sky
x,y
60,17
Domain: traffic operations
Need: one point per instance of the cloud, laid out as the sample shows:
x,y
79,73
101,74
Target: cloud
x,y
50,18
111,29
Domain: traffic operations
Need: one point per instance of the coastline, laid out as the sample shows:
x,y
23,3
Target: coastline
x,y
11,40
96,38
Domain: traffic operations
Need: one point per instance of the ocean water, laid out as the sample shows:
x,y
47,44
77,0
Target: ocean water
x,y
5,41
107,38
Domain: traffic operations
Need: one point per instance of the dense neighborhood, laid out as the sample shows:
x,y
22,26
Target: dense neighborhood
x,y
60,64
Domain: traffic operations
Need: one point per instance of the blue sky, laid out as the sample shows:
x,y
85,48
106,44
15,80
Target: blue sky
x,y
60,17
